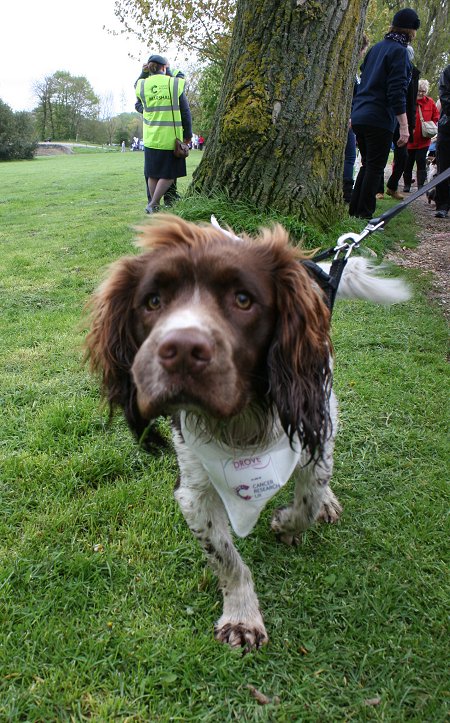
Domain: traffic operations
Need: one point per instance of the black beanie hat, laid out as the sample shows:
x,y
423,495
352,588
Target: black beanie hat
x,y
157,59
407,19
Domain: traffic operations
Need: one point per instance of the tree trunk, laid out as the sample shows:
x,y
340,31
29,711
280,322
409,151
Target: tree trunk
x,y
281,125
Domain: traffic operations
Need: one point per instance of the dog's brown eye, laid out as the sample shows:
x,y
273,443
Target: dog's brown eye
x,y
153,302
243,300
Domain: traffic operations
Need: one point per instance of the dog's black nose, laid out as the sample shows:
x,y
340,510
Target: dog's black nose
x,y
185,350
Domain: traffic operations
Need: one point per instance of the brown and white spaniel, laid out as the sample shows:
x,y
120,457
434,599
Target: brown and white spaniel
x,y
230,338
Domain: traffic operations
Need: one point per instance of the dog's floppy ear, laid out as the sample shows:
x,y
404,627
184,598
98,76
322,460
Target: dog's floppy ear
x,y
299,358
111,344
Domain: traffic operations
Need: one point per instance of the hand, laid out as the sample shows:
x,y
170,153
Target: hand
x,y
403,137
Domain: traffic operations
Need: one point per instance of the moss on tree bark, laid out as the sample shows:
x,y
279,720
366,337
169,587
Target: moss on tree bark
x,y
281,125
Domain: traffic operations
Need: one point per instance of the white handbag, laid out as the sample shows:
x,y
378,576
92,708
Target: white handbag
x,y
429,128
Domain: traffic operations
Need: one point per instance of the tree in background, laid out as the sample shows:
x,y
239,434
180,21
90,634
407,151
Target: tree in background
x,y
202,89
128,126
108,118
64,103
209,86
280,128
431,47
199,26
17,134
205,26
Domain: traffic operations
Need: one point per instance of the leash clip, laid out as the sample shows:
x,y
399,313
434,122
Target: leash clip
x,y
346,243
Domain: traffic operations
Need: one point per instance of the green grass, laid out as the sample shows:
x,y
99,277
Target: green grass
x,y
106,607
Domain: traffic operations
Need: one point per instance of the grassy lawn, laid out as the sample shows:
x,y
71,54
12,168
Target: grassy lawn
x,y
106,607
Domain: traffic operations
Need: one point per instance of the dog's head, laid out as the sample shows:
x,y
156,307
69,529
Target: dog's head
x,y
202,322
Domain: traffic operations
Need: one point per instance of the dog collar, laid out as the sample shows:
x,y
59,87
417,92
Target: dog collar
x,y
244,479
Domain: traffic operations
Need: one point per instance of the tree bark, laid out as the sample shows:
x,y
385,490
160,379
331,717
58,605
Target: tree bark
x,y
281,125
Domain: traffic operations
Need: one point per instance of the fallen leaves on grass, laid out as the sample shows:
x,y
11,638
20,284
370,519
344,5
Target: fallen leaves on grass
x,y
261,698
372,701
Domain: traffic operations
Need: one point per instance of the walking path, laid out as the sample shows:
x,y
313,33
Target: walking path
x,y
432,255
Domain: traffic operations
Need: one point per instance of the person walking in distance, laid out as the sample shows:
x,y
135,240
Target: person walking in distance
x,y
418,147
379,104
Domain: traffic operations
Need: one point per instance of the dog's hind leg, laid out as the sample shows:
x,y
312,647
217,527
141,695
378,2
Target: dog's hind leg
x,y
241,624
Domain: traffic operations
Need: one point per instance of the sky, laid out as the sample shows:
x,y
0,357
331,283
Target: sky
x,y
39,37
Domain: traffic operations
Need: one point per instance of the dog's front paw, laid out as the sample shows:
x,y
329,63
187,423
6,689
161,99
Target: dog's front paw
x,y
331,508
241,635
281,525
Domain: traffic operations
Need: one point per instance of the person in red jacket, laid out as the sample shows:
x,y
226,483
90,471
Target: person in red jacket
x,y
418,147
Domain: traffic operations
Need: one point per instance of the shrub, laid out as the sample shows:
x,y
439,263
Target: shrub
x,y
16,134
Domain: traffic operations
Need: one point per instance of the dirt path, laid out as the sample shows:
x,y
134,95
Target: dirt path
x,y
432,255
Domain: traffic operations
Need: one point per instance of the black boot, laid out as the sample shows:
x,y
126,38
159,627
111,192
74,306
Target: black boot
x,y
347,189
171,196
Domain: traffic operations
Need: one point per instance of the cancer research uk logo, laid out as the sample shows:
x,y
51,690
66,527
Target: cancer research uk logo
x,y
252,478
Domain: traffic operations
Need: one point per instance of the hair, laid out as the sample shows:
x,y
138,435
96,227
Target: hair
x,y
423,85
364,43
409,32
154,68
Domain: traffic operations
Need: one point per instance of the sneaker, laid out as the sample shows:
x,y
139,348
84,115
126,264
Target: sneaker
x,y
394,194
151,209
406,189
380,196
441,214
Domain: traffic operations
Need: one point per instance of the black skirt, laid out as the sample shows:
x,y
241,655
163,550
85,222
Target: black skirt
x,y
163,164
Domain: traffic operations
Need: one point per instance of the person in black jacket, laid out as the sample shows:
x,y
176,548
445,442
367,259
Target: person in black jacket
x,y
443,145
379,104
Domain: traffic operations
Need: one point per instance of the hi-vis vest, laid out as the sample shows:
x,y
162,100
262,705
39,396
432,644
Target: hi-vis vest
x,y
155,93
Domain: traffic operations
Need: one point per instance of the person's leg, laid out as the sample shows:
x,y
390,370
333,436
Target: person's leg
x,y
407,174
421,162
380,191
349,164
147,175
149,198
400,156
377,144
158,187
443,162
172,194
349,155
354,199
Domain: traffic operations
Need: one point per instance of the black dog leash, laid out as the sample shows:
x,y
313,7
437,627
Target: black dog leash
x,y
350,241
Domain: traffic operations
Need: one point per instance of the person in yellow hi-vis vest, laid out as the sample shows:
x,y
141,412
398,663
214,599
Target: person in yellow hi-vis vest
x,y
166,115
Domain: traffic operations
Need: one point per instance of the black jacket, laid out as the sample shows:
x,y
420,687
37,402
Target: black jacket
x,y
444,91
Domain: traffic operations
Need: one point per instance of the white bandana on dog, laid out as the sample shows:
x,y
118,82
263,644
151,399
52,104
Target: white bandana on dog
x,y
247,482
